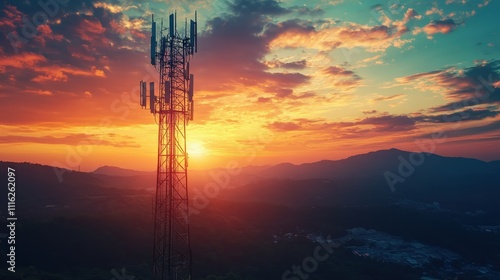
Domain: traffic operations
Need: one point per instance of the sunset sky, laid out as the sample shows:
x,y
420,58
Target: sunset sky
x,y
276,81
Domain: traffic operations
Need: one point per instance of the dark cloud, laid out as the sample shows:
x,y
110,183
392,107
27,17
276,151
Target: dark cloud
x,y
465,115
390,123
284,92
289,26
288,93
264,100
477,140
257,7
74,60
294,65
469,131
86,48
440,26
284,126
238,42
75,21
477,85
379,124
468,87
301,64
387,98
343,77
339,71
382,124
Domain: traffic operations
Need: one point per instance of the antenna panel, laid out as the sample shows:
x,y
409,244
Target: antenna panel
x,y
153,42
143,94
167,92
140,93
172,25
152,98
191,88
191,35
195,37
191,112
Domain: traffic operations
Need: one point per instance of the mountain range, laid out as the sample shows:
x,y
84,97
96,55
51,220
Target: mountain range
x,y
258,221
379,177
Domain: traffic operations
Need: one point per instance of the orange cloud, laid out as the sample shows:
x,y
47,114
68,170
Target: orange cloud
x,y
339,76
45,32
98,72
329,36
113,8
373,38
21,60
60,73
72,139
39,92
438,26
13,17
365,128
91,30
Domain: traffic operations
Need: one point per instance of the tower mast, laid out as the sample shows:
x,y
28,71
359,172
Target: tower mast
x,y
173,108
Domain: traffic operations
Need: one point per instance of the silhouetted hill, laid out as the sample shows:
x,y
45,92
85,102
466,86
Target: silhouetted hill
x,y
117,171
266,223
370,164
375,178
42,189
379,178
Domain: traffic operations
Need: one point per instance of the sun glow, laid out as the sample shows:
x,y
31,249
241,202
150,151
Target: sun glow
x,y
196,149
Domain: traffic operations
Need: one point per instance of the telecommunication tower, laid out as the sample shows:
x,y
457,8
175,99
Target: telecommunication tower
x,y
172,107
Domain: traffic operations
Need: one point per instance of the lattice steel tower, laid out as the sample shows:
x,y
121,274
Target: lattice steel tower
x,y
173,108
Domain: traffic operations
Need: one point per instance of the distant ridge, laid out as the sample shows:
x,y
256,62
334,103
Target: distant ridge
x,y
118,171
454,182
369,164
378,178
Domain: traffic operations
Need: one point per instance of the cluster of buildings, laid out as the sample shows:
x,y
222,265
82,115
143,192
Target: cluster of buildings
x,y
383,247
388,248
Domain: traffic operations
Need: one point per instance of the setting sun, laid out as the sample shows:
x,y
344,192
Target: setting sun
x,y
196,149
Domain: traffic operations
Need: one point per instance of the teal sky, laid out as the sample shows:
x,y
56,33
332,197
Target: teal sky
x,y
322,79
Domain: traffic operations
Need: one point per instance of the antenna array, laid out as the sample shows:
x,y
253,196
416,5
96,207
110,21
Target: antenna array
x,y
173,107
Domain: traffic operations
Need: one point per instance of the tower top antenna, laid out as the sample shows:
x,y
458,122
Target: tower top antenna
x,y
173,107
